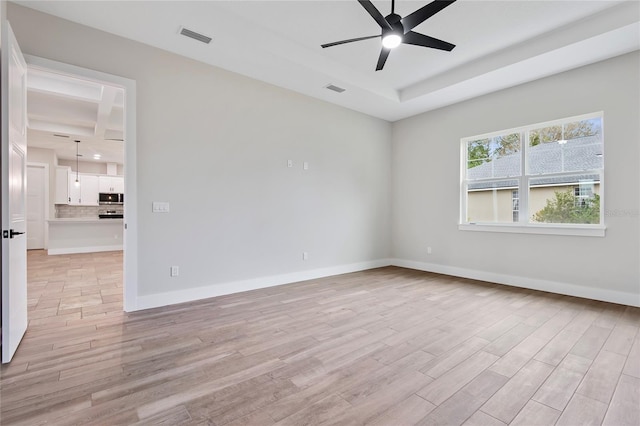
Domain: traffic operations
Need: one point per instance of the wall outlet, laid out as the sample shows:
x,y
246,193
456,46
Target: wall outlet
x,y
428,250
305,255
289,163
174,271
305,166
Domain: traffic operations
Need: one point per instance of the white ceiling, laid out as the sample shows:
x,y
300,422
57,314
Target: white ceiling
x,y
63,109
499,44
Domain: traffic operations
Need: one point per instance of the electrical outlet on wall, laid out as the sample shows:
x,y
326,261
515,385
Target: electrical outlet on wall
x,y
174,271
429,250
305,255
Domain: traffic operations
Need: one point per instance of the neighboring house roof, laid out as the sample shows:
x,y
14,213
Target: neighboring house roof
x,y
578,155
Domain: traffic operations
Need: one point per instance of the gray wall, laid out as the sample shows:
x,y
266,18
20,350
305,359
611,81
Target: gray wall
x,y
215,145
426,182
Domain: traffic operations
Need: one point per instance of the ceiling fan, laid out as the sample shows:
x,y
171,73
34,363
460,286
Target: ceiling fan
x,y
397,30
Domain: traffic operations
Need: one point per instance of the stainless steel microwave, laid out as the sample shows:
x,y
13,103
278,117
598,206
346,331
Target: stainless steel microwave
x,y
110,198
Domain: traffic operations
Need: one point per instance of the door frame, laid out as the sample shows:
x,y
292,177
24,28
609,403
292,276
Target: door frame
x,y
47,177
130,232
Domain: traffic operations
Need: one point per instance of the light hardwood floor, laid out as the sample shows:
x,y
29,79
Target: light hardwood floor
x,y
389,346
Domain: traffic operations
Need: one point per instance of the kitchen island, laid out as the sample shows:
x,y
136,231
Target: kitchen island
x,y
84,235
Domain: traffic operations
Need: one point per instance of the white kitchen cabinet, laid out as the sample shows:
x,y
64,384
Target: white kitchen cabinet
x,y
74,191
62,185
87,193
118,184
89,188
112,184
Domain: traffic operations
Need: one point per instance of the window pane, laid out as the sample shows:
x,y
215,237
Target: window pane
x,y
567,147
494,157
491,201
565,199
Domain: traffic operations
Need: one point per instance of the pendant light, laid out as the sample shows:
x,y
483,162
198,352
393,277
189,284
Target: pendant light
x,y
77,183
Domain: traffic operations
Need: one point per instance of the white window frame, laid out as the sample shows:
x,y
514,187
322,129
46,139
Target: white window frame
x,y
524,226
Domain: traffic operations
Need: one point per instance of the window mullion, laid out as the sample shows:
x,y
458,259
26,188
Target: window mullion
x,y
524,181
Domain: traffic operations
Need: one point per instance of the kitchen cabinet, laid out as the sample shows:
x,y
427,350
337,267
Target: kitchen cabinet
x,y
87,193
62,185
113,184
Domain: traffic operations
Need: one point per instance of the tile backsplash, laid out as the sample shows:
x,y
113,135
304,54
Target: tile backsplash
x,y
64,211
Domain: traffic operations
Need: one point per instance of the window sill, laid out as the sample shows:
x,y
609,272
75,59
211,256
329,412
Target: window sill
x,y
546,229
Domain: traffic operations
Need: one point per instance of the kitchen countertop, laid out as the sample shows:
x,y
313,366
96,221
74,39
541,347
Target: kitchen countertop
x,y
83,220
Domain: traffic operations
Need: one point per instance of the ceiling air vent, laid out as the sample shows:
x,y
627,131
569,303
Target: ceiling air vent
x,y
194,35
335,88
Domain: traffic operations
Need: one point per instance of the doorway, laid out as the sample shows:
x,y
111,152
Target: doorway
x,y
121,99
76,127
14,308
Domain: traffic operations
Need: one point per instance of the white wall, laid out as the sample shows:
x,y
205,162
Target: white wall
x,y
215,145
426,181
46,156
90,167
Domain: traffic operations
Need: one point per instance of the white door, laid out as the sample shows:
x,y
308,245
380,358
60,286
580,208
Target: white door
x,y
35,207
13,178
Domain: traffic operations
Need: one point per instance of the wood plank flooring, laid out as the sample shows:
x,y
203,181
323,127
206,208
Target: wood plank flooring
x,y
389,346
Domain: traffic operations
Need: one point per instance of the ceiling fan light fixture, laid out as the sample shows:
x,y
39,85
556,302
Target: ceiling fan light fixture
x,y
391,40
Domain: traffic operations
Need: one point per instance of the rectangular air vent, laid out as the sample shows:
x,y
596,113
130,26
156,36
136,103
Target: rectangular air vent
x,y
60,136
335,88
194,35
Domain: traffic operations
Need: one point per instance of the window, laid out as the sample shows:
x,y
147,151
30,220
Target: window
x,y
584,194
536,177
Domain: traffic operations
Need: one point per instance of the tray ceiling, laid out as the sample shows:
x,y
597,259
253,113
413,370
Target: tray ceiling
x,y
499,44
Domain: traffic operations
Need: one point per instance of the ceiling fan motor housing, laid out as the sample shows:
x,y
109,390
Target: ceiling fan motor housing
x,y
396,25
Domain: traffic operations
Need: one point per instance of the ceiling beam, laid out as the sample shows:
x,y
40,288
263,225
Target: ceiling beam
x,y
105,107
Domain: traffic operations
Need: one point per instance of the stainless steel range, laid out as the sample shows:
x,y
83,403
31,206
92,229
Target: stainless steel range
x,y
110,214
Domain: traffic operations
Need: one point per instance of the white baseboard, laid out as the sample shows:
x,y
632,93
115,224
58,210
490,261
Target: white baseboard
x,y
605,295
204,292
74,250
197,293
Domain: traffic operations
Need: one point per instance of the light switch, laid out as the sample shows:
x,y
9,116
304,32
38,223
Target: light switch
x,y
160,207
305,166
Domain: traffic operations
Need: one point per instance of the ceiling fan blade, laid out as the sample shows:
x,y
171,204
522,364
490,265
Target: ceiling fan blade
x,y
351,40
418,39
384,54
411,21
375,14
